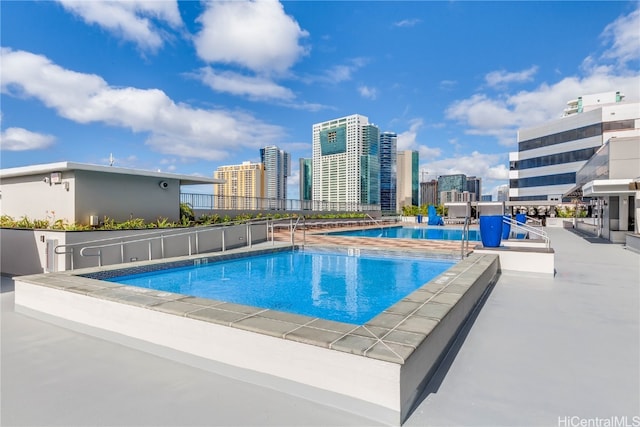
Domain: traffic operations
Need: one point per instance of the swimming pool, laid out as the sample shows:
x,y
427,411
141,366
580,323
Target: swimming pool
x,y
377,370
411,233
324,284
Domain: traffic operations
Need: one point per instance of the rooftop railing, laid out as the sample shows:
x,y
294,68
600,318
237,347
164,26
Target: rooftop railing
x,y
216,202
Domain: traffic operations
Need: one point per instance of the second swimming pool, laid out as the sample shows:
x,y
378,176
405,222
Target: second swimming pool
x,y
411,233
325,284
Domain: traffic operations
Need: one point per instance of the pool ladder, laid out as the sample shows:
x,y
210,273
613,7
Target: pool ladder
x,y
464,240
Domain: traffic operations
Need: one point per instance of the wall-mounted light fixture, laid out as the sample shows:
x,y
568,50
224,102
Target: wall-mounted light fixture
x,y
56,177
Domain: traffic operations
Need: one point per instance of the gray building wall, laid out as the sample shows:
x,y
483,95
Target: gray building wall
x,y
122,197
34,198
83,193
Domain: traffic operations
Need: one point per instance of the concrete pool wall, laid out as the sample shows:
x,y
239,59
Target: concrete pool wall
x,y
378,370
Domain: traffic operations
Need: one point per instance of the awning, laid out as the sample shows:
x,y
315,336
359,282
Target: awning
x,y
607,187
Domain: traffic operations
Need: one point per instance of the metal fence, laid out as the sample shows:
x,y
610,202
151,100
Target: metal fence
x,y
213,202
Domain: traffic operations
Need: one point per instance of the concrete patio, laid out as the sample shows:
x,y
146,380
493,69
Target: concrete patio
x,y
541,351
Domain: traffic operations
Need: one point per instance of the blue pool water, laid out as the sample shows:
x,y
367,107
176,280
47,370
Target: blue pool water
x,y
411,233
328,285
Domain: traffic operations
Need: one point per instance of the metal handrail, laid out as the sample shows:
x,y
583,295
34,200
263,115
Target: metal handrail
x,y
465,237
375,220
532,219
529,229
293,230
158,235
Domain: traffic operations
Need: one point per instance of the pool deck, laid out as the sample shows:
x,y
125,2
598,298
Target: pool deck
x,y
317,237
542,350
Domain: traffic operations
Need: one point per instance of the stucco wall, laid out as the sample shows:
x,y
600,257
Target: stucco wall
x,y
23,252
122,197
34,198
624,158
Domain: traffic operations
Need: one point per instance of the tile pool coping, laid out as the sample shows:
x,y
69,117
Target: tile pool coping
x,y
391,336
394,336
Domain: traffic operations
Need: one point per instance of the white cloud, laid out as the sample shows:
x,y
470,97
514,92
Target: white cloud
x,y
173,128
502,77
258,35
407,23
256,88
407,140
131,19
503,115
338,73
448,84
368,92
19,139
487,166
624,37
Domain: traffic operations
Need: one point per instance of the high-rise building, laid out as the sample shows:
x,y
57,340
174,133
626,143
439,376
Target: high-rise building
x,y
244,186
429,192
503,193
277,167
346,166
447,183
408,185
370,166
474,187
306,178
388,170
549,155
486,198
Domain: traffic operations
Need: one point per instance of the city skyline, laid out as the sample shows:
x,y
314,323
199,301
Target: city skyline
x,y
189,87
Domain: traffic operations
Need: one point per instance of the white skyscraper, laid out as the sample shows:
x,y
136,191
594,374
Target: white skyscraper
x,y
346,166
277,167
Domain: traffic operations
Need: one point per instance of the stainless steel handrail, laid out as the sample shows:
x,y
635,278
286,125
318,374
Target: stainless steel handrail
x,y
162,235
465,237
540,233
375,221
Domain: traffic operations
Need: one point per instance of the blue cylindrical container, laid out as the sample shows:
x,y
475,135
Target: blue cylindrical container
x,y
419,219
521,218
491,230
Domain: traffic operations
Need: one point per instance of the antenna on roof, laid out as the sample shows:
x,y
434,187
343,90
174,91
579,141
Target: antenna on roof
x,y
111,159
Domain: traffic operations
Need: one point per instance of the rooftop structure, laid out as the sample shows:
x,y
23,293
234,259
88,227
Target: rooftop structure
x,y
86,194
608,180
590,102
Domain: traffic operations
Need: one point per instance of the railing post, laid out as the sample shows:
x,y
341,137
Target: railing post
x,y
223,243
197,243
189,239
291,229
162,246
121,252
150,250
249,238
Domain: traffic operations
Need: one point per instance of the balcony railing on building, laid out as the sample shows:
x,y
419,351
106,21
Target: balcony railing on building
x,y
215,202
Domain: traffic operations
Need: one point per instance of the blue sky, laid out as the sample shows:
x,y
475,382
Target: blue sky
x,y
186,87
